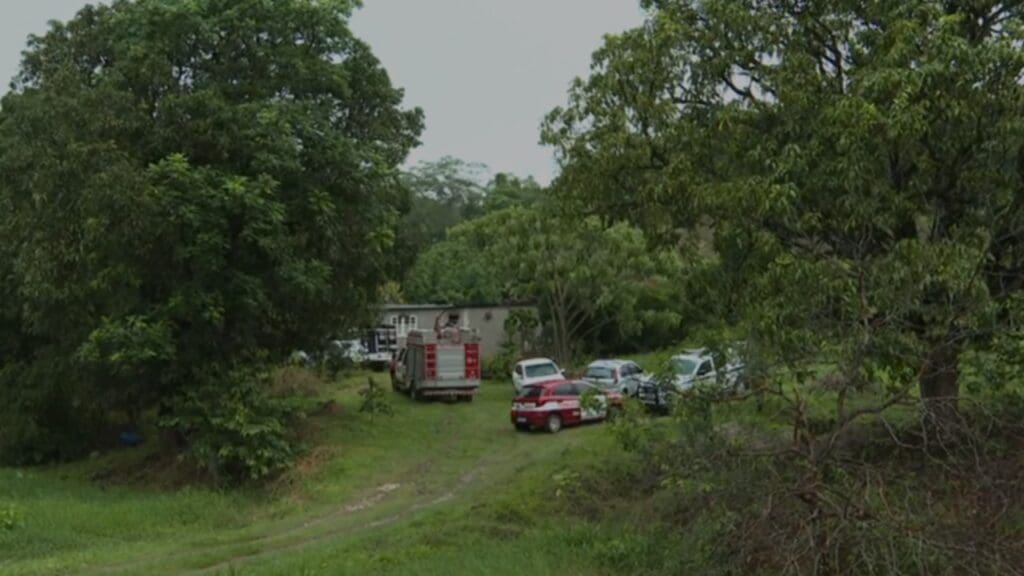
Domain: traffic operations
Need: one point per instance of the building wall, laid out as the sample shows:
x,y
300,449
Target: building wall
x,y
489,322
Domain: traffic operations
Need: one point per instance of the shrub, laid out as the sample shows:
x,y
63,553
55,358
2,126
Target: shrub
x,y
374,399
237,431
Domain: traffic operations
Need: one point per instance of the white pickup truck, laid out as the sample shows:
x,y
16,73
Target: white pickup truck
x,y
690,369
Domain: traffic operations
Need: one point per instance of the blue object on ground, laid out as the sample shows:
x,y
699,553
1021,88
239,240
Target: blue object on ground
x,y
130,438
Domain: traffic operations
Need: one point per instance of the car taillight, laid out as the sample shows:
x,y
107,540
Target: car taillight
x,y
431,360
472,361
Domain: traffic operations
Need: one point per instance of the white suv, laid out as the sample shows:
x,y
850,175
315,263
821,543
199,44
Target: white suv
x,y
535,371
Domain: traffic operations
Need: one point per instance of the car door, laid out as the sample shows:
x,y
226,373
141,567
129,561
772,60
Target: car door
x,y
567,399
628,374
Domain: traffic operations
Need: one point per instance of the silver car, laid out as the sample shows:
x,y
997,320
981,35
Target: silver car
x,y
623,376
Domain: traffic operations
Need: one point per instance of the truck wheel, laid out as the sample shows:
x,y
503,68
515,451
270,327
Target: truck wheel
x,y
554,423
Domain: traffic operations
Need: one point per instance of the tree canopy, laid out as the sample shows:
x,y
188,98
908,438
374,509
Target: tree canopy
x,y
585,277
191,190
858,164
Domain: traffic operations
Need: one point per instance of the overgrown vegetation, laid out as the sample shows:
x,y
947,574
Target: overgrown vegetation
x,y
208,197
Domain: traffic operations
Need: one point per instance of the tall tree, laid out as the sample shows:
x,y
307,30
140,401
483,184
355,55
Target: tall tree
x,y
859,163
583,276
195,189
440,194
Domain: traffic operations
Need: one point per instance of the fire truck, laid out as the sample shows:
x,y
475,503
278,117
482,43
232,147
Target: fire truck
x,y
438,364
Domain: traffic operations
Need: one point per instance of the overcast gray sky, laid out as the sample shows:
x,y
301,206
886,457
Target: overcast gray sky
x,y
484,71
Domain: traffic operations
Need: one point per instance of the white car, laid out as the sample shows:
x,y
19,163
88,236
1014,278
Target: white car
x,y
535,371
689,369
622,376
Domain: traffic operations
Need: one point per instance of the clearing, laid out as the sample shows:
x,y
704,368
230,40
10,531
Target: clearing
x,y
436,488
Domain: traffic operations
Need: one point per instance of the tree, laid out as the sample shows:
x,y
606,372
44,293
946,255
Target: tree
x,y
194,190
508,191
857,162
584,277
440,194
465,267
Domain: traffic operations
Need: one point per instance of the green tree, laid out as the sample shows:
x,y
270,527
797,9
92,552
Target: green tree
x,y
584,276
440,194
587,277
508,191
858,164
192,190
465,267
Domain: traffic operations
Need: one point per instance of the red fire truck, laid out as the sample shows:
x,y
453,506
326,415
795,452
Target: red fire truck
x,y
441,364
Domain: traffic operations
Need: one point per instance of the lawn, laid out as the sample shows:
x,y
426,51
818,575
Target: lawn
x,y
434,488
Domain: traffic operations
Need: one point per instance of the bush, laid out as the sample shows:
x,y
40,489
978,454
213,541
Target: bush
x,y
499,366
43,416
374,399
237,431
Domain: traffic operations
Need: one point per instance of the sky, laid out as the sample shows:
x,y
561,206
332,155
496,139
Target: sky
x,y
485,72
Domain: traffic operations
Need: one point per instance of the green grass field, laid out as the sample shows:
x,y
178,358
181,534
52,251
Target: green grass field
x,y
435,489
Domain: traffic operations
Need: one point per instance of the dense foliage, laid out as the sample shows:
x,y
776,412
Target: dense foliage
x,y
191,191
588,279
445,193
856,166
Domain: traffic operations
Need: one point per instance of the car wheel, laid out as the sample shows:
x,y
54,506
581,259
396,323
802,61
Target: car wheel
x,y
554,423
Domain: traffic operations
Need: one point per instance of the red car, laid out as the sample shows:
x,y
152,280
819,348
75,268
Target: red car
x,y
552,405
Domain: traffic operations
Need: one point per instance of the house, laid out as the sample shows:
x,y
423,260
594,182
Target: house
x,y
487,320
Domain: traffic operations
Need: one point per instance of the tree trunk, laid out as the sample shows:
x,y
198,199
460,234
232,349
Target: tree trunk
x,y
940,383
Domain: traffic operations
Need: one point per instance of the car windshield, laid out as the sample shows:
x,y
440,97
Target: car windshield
x,y
538,370
684,366
532,392
598,372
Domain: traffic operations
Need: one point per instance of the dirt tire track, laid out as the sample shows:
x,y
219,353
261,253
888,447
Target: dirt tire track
x,y
304,534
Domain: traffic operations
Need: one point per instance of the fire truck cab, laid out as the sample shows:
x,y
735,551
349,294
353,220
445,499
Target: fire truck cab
x,y
442,364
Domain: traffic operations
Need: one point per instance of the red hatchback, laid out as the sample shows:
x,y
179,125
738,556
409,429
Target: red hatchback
x,y
552,405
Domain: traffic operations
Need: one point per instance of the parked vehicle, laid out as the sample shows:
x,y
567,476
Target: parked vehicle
x,y
623,376
351,350
687,370
535,371
552,405
444,364
381,344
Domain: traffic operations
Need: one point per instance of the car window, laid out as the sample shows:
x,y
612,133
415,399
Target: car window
x,y
684,366
566,390
598,372
705,368
637,369
532,392
581,388
540,370
519,370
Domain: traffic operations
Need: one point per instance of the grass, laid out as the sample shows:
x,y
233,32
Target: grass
x,y
436,488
